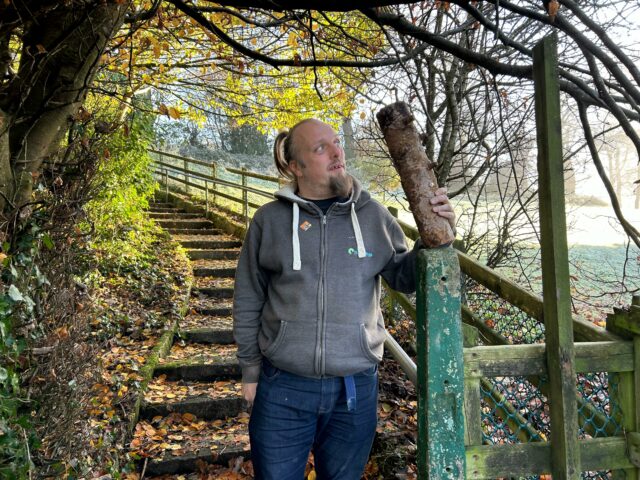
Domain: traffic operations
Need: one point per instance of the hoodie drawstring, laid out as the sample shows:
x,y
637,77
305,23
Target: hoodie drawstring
x,y
295,239
297,264
356,229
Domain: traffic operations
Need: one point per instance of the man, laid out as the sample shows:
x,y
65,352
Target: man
x,y
307,319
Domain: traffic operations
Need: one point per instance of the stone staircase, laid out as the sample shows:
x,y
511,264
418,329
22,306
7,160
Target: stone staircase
x,y
192,412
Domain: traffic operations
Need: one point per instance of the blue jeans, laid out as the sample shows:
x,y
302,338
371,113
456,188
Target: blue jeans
x,y
292,415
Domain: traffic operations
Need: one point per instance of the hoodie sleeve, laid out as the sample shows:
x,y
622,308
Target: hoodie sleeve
x,y
400,270
249,296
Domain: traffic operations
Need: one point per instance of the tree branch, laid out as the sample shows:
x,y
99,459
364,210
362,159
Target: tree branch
x,y
629,229
275,62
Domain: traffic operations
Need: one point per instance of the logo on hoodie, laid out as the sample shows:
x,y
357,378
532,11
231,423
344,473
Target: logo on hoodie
x,y
354,251
304,226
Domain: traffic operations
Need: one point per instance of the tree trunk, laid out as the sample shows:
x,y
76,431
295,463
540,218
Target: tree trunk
x,y
349,140
6,177
59,58
416,172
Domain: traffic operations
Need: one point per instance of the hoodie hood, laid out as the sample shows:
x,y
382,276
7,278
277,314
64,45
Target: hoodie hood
x,y
356,201
358,197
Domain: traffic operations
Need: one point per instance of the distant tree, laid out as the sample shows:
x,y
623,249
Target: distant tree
x,y
245,139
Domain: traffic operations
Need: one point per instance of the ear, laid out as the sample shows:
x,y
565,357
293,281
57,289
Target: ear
x,y
295,168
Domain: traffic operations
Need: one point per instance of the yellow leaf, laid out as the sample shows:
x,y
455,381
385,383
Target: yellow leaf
x,y
254,41
163,109
386,407
174,113
363,115
312,475
188,417
292,41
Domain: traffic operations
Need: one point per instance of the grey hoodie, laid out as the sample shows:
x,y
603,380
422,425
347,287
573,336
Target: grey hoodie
x,y
307,288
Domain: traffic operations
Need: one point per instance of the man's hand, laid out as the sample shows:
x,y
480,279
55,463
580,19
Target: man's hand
x,y
443,208
249,392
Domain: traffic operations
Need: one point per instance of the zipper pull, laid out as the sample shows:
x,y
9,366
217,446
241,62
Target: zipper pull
x,y
324,219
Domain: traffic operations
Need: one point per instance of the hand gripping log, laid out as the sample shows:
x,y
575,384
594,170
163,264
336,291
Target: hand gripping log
x,y
416,172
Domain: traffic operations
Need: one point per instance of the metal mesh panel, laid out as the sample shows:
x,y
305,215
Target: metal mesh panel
x,y
515,409
598,411
511,322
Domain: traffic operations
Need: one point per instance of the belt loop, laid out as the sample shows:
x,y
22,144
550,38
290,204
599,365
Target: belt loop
x,y
350,388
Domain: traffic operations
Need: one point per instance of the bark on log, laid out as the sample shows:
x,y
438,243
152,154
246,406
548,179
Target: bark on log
x,y
416,172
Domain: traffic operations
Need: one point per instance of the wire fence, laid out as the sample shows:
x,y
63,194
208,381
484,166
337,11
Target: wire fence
x,y
516,409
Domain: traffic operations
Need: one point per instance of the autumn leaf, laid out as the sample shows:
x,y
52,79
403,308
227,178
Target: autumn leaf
x,y
174,113
553,8
292,41
163,109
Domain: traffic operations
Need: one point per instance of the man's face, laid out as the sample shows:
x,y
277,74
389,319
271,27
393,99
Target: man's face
x,y
324,172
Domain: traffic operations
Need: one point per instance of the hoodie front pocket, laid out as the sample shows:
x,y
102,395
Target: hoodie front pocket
x,y
271,349
364,343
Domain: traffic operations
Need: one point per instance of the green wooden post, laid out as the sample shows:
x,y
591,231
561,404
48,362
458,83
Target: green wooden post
x,y
627,393
565,454
472,396
441,450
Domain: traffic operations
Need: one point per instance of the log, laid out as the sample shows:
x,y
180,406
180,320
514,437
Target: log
x,y
416,172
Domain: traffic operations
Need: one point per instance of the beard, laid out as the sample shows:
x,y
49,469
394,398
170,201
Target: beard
x,y
341,185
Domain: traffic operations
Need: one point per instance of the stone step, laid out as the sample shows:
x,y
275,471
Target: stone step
x,y
193,371
214,268
194,231
193,361
173,215
213,307
161,204
203,407
205,400
164,210
212,292
185,223
213,282
210,244
214,272
191,441
208,335
228,254
218,236
195,322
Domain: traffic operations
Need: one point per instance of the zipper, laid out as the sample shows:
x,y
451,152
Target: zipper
x,y
320,331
